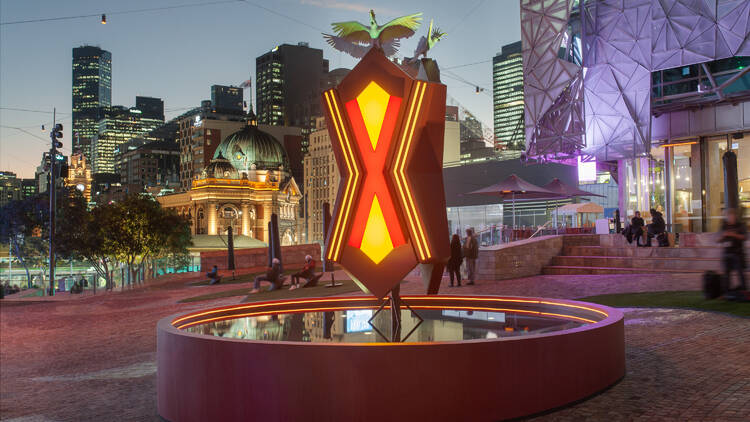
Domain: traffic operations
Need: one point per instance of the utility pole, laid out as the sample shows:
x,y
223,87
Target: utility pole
x,y
54,135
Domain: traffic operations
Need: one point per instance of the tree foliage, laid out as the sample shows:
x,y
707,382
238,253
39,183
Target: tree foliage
x,y
131,232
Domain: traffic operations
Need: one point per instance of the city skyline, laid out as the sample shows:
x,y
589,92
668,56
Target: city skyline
x,y
169,54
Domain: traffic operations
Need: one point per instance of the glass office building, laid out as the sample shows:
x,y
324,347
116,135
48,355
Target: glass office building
x,y
507,98
92,92
119,125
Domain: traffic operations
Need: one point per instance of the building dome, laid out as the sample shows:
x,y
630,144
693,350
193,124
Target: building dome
x,y
253,149
220,168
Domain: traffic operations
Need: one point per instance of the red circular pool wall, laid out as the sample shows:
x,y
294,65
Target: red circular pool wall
x,y
209,378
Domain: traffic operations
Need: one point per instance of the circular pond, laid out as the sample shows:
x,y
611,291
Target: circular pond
x,y
460,358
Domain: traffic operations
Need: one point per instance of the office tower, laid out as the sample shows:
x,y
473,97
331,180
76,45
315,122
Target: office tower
x,y
119,125
142,164
507,94
289,80
152,108
92,92
200,131
321,181
227,99
10,187
29,188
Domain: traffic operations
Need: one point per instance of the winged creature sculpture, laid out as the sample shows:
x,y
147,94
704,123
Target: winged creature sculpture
x,y
427,42
356,38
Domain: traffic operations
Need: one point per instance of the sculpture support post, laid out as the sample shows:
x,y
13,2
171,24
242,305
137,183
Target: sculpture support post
x,y
396,314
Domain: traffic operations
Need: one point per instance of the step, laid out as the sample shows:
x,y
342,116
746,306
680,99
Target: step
x,y
655,263
581,240
633,251
574,270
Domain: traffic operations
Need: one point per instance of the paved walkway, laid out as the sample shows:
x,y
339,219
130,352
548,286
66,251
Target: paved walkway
x,y
93,358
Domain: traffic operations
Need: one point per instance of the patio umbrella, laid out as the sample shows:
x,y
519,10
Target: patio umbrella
x,y
516,188
566,191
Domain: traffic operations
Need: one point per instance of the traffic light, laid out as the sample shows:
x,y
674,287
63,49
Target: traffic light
x,y
56,134
47,161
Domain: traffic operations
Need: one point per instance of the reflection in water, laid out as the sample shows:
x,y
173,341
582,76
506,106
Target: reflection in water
x,y
352,326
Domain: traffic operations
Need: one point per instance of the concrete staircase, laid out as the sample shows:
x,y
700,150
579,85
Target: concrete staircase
x,y
605,254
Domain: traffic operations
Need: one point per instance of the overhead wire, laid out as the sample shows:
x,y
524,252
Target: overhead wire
x,y
120,12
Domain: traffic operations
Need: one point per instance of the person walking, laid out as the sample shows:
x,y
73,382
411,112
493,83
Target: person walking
x,y
454,262
734,233
471,253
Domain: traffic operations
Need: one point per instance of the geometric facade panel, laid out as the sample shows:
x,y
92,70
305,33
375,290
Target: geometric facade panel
x,y
622,42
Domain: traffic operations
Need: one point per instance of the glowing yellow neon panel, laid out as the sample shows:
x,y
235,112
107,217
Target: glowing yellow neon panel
x,y
373,101
376,242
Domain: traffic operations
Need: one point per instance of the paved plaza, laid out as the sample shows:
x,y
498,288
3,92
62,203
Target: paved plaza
x,y
93,358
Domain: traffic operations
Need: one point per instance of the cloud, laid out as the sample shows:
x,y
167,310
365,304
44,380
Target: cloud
x,y
342,5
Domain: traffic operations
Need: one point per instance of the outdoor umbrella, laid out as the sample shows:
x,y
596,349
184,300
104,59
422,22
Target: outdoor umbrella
x,y
566,191
516,188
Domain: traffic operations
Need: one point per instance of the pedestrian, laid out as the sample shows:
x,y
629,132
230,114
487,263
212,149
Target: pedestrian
x,y
733,233
454,262
272,275
471,253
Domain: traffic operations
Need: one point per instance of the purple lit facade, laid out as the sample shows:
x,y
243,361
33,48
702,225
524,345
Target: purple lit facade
x,y
619,81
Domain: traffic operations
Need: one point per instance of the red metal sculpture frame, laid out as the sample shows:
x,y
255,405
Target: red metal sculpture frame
x,y
386,130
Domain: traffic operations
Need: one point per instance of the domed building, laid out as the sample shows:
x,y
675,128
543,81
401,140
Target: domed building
x,y
247,180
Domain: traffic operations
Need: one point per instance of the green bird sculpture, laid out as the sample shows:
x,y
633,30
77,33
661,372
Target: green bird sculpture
x,y
377,35
427,42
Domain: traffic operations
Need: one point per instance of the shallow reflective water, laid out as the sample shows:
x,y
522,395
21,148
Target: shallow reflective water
x,y
352,326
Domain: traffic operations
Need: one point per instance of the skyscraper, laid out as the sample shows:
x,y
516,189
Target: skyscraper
x,y
289,80
92,92
150,107
507,95
119,125
227,99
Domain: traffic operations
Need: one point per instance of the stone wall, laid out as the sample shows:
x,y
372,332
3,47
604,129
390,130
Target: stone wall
x,y
522,258
292,256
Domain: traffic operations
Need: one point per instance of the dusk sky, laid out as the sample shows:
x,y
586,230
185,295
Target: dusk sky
x,y
177,54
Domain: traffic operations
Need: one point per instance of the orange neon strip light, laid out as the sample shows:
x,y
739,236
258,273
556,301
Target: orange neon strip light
x,y
370,298
400,183
406,195
349,177
346,210
500,299
271,303
406,182
678,144
351,181
341,308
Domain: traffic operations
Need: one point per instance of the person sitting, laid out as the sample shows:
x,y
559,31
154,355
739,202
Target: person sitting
x,y
635,229
213,275
307,272
272,275
657,228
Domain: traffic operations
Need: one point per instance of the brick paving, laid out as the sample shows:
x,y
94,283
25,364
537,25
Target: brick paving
x,y
92,358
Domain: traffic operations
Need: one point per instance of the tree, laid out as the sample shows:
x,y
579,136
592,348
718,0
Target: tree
x,y
24,225
138,229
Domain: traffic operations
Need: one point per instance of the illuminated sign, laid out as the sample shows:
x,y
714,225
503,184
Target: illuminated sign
x,y
586,170
387,135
